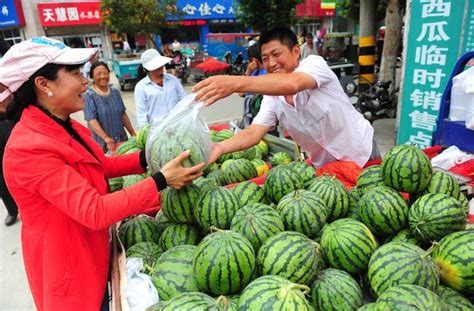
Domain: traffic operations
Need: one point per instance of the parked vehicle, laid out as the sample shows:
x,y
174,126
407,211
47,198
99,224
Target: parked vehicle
x,y
125,68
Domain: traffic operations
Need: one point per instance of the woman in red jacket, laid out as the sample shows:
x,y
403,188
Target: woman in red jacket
x,y
58,177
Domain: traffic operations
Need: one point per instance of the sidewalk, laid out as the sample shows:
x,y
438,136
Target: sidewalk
x,y
14,291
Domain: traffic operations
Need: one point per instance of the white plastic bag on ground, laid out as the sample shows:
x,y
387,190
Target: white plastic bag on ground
x,y
184,128
140,292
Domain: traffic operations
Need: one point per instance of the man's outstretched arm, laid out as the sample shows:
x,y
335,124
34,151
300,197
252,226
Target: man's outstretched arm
x,y
214,88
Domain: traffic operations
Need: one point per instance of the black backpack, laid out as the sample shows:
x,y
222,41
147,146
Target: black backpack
x,y
252,103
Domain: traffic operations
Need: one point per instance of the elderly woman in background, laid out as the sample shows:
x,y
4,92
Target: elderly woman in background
x,y
104,110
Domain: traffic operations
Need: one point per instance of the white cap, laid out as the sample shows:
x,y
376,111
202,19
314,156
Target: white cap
x,y
23,59
152,60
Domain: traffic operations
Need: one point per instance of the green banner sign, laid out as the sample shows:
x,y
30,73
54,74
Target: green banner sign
x,y
468,44
433,47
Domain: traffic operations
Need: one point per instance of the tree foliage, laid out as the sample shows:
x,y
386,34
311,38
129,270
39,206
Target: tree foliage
x,y
136,17
350,9
265,14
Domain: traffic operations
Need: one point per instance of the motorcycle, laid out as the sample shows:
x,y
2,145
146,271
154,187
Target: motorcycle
x,y
238,66
182,65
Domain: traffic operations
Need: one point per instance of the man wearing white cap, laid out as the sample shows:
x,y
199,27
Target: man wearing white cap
x,y
158,93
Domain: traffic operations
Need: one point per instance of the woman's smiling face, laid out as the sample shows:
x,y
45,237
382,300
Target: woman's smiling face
x,y
279,58
67,91
101,76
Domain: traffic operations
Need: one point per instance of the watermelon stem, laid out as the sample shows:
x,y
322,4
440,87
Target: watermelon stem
x,y
430,250
215,229
305,289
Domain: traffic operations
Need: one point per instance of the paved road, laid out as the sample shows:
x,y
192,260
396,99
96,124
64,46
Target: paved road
x,y
14,291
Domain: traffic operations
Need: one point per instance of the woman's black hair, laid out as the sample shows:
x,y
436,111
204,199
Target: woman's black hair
x,y
254,52
283,34
26,94
95,65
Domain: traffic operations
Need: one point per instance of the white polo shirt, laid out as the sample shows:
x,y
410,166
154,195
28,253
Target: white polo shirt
x,y
323,121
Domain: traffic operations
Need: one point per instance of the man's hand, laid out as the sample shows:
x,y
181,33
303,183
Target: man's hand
x,y
252,66
111,144
216,152
214,88
178,176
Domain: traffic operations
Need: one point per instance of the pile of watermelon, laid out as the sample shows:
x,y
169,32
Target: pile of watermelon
x,y
397,241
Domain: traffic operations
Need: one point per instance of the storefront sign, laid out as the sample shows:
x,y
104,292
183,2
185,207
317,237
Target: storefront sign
x,y
201,9
315,8
433,46
8,16
69,13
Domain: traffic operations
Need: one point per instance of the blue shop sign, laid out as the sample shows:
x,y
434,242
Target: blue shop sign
x,y
201,9
8,17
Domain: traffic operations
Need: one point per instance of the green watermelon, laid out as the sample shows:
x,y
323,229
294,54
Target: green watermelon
x,y
223,135
239,170
210,168
187,301
173,272
115,184
179,234
411,298
226,163
204,184
444,183
291,255
142,135
404,236
406,168
336,290
370,177
304,170
280,181
248,154
216,208
148,251
169,142
257,222
280,158
464,202
161,222
454,299
138,229
383,210
225,303
261,166
334,195
433,216
347,244
263,148
131,180
354,198
223,262
218,177
178,204
402,263
126,146
454,256
303,211
273,292
248,192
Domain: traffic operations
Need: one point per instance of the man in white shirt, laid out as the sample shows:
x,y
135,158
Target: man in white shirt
x,y
308,48
305,97
157,93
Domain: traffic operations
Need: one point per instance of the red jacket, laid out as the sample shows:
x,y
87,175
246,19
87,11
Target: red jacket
x,y
61,192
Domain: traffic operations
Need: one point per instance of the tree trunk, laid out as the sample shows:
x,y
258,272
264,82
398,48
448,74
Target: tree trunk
x,y
366,43
393,24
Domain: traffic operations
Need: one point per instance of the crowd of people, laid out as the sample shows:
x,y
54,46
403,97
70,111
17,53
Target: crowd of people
x,y
57,172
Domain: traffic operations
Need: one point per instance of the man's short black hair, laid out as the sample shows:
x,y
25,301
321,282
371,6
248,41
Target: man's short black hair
x,y
283,34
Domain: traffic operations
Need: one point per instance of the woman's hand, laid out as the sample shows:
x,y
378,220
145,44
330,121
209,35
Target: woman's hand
x,y
178,176
252,66
111,144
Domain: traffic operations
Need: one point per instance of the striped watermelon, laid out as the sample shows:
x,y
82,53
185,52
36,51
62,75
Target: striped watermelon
x,y
239,170
464,202
168,143
370,177
173,272
402,263
354,198
383,210
347,244
178,204
280,158
454,299
257,222
192,301
248,154
223,135
280,181
225,303
115,184
218,176
248,192
411,297
434,215
454,256
334,195
126,146
304,170
303,211
406,168
138,229
226,163
148,251
273,292
179,234
374,306
223,262
335,290
142,135
161,222
404,236
205,184
291,255
444,183
263,148
131,180
211,168
216,208
261,166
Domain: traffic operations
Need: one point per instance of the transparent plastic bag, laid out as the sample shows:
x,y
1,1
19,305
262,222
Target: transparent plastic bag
x,y
184,128
140,292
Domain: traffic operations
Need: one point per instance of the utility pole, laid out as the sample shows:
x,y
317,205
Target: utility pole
x,y
366,43
393,22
